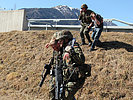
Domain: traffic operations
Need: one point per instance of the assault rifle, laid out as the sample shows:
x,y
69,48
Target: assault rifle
x,y
57,72
59,82
47,67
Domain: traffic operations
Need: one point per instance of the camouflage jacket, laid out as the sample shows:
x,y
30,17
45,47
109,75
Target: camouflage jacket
x,y
85,17
71,65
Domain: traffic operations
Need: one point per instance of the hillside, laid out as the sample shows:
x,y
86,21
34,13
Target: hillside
x,y
23,55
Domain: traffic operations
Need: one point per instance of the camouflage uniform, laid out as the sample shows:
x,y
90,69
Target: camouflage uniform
x,y
74,82
85,21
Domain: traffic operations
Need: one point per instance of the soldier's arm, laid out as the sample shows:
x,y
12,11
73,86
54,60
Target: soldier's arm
x,y
75,54
79,54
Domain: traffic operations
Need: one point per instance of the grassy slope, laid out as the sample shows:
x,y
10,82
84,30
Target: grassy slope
x,y
22,56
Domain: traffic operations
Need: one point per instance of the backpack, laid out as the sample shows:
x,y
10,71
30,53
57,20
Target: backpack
x,y
100,18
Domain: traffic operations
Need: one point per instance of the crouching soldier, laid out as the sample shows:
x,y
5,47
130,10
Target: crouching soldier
x,y
85,19
68,50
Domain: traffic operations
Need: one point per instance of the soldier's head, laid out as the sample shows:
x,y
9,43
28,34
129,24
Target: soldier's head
x,y
84,7
64,34
60,39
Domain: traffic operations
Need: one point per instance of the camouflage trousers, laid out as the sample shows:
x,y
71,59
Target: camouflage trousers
x,y
70,91
85,31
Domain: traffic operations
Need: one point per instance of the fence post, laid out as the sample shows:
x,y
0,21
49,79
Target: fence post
x,y
29,25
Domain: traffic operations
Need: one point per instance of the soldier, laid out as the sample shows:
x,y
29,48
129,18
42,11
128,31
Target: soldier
x,y
97,20
85,23
63,43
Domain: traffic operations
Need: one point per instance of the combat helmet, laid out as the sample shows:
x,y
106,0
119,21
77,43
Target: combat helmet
x,y
84,6
63,34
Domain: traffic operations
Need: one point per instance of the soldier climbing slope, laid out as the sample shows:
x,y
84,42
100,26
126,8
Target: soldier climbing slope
x,y
67,68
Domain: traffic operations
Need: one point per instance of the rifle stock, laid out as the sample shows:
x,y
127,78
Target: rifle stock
x,y
47,67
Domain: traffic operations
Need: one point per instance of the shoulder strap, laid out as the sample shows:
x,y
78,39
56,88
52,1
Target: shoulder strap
x,y
73,41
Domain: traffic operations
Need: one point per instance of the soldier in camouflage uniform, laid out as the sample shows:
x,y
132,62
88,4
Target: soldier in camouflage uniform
x,y
62,43
85,23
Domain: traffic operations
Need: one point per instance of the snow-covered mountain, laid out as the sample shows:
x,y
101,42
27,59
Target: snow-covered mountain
x,y
54,12
68,11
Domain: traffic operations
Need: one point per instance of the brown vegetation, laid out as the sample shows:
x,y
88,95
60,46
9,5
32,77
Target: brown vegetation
x,y
23,55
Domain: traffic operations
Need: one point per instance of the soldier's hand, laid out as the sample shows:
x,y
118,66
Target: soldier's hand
x,y
47,45
80,10
66,56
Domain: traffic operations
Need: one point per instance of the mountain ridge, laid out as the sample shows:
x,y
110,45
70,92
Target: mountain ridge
x,y
58,12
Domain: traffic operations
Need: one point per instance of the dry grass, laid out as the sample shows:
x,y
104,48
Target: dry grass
x,y
23,55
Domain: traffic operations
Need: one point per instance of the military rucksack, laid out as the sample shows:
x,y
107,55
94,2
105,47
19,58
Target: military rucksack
x,y
99,17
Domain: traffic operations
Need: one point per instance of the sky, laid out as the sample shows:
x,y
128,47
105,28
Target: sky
x,y
118,9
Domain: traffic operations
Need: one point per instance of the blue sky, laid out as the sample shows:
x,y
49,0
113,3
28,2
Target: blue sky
x,y
119,9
